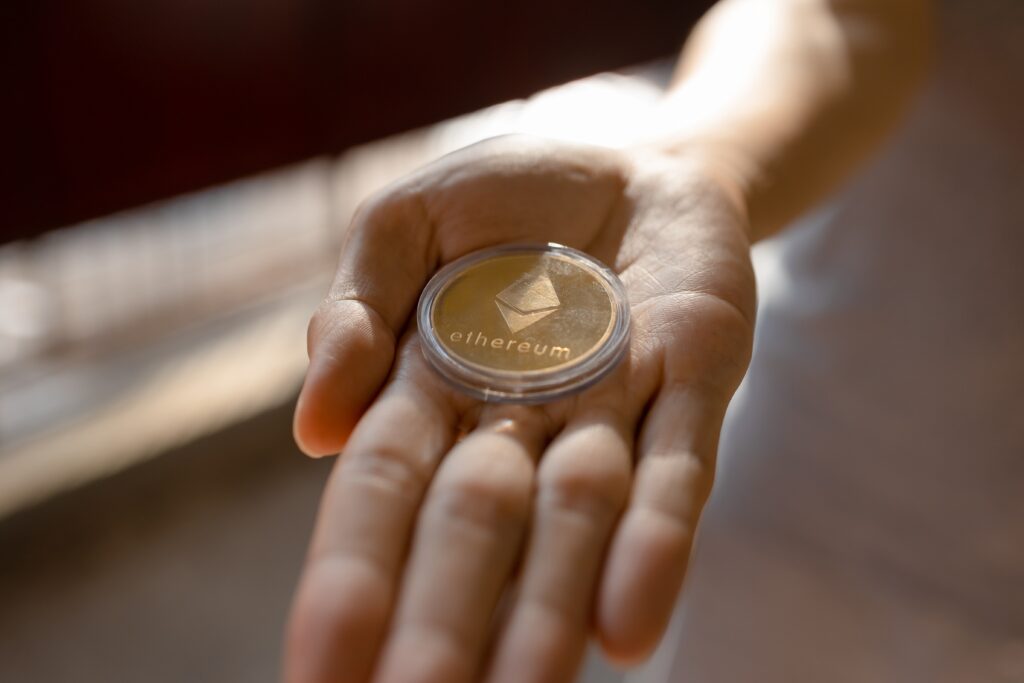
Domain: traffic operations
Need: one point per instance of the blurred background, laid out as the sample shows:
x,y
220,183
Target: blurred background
x,y
178,180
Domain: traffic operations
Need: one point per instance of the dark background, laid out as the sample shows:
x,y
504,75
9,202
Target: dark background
x,y
115,103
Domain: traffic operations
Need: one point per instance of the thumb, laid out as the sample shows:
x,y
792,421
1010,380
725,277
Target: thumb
x,y
387,257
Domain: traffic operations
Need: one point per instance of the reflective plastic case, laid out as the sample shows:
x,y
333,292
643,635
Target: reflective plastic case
x,y
524,323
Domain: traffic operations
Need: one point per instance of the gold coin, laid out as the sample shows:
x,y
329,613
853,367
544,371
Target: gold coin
x,y
524,323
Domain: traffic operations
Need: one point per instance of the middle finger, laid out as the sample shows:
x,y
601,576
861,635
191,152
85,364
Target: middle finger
x,y
465,546
582,484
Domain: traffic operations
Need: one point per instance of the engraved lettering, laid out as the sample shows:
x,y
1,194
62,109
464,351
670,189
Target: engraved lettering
x,y
473,338
560,352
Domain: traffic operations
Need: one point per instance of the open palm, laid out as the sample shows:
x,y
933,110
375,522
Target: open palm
x,y
461,541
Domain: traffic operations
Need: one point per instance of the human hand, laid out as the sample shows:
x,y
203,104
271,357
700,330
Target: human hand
x,y
460,541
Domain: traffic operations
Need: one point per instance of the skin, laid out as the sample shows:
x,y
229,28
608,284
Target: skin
x,y
459,541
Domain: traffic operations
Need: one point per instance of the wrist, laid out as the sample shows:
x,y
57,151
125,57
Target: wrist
x,y
722,170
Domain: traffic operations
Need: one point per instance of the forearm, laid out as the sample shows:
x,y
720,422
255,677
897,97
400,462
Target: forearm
x,y
788,96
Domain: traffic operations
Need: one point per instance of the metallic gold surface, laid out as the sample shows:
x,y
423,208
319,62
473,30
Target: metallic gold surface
x,y
524,313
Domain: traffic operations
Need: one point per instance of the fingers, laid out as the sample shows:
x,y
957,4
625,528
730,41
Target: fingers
x,y
648,555
582,484
352,336
467,540
348,589
704,345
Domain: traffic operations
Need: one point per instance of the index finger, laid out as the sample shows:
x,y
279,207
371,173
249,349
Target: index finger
x,y
363,528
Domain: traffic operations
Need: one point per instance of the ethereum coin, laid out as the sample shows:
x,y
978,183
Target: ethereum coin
x,y
527,300
524,323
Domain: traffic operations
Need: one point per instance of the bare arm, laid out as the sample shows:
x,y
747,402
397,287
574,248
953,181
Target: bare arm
x,y
790,95
461,542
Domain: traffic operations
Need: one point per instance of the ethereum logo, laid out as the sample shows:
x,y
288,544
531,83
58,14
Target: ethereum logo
x,y
527,300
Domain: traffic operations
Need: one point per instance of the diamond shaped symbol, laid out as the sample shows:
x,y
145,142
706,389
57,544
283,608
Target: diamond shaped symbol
x,y
527,300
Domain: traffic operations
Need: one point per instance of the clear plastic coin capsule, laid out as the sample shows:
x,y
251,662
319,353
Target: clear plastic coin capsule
x,y
524,323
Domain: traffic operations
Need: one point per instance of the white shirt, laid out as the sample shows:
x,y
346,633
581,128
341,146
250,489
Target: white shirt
x,y
867,523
